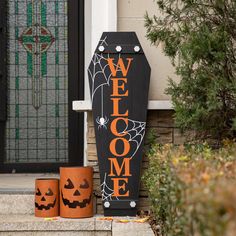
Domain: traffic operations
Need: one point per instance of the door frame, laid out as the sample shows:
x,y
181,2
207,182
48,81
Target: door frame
x,y
75,92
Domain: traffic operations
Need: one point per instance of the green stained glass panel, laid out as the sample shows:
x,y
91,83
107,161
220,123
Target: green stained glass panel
x,y
37,125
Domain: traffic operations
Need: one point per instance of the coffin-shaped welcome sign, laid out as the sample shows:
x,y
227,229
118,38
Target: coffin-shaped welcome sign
x,y
119,76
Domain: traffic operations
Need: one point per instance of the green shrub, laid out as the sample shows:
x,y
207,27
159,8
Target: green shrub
x,y
192,189
199,37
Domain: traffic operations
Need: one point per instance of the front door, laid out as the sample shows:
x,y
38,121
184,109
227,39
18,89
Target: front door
x,y
40,132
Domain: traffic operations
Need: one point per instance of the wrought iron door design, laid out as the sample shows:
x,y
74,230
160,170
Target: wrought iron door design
x,y
37,122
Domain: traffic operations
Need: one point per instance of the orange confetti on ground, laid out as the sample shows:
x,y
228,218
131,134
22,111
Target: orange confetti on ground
x,y
50,219
123,221
142,220
105,218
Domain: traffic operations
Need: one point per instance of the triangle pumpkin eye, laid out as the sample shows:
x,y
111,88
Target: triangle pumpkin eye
x,y
49,192
38,193
85,184
69,184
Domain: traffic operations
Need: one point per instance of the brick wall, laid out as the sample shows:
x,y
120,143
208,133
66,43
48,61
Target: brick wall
x,y
163,125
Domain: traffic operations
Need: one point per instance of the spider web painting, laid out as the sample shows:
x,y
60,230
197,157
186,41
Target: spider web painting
x,y
107,192
99,71
134,131
99,75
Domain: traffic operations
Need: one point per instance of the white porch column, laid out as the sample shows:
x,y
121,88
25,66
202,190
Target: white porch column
x,y
100,16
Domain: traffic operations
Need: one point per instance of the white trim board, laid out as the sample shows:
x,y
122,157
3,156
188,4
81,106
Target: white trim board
x,y
85,105
100,16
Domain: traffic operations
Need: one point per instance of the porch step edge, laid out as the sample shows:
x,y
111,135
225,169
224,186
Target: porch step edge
x,y
25,223
16,191
16,204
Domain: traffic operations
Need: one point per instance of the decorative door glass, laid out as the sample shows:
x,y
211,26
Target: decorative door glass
x,y
37,125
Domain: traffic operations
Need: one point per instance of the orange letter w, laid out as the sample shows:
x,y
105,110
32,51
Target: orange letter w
x,y
120,65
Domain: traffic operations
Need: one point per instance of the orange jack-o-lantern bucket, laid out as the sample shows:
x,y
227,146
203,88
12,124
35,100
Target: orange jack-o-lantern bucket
x,y
46,197
76,192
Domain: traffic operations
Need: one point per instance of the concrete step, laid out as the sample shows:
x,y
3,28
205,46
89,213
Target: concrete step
x,y
21,182
17,214
17,192
17,219
16,204
28,225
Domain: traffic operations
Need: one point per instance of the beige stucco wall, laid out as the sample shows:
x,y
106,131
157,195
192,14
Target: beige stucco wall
x,y
131,18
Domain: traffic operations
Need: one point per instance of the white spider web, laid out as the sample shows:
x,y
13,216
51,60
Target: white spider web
x,y
99,72
107,192
103,41
135,130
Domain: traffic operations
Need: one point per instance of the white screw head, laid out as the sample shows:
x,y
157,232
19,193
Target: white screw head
x,y
133,204
107,204
101,48
136,48
118,48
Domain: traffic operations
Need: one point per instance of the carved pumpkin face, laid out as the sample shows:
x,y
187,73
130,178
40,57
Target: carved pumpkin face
x,y
45,200
76,192
46,197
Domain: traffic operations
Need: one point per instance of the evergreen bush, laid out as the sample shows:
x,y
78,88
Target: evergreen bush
x,y
200,38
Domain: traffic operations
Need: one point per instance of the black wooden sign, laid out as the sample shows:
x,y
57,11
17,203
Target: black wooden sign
x,y
119,77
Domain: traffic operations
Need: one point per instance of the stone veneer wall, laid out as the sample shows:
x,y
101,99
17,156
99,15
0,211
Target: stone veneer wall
x,y
162,123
